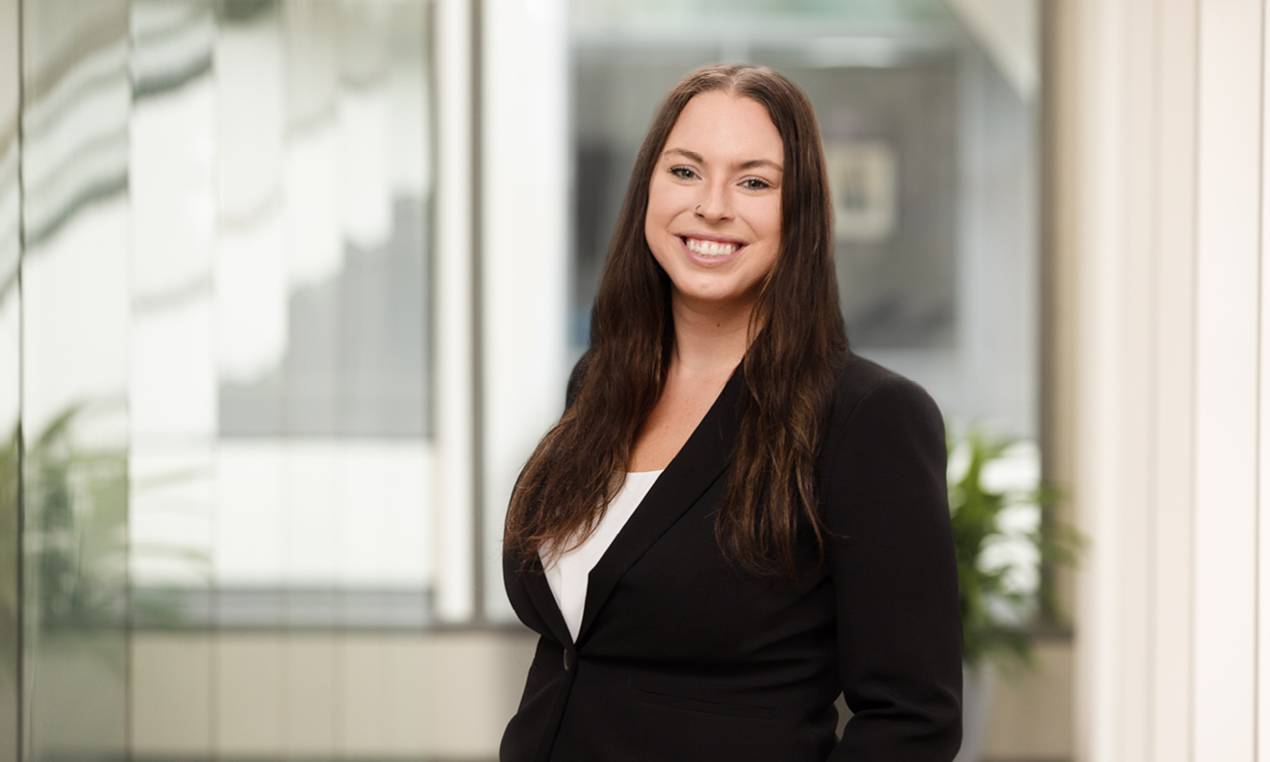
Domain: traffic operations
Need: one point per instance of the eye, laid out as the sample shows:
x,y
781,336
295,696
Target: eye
x,y
676,170
761,183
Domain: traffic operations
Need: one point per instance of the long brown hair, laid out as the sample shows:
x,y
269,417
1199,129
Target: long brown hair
x,y
797,340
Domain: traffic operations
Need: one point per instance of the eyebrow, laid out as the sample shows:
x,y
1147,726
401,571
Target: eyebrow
x,y
752,163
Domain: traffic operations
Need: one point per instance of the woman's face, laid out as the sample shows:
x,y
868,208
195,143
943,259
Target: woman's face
x,y
714,201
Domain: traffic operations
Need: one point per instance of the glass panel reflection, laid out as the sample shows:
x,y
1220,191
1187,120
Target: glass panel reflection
x,y
281,179
10,400
929,130
75,323
221,361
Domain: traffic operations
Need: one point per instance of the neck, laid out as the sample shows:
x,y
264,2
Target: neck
x,y
710,338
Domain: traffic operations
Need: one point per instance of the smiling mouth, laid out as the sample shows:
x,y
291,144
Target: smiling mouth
x,y
710,249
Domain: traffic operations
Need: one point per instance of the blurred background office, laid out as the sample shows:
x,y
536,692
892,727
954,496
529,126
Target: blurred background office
x,y
290,288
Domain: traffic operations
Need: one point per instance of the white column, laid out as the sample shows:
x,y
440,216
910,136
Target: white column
x,y
1154,345
1174,339
453,369
1226,384
526,174
1262,518
1089,236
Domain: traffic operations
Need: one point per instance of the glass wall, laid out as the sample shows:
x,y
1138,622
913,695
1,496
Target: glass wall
x,y
929,128
928,112
280,392
216,357
10,365
75,331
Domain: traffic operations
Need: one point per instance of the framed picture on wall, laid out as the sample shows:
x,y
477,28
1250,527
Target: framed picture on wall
x,y
863,182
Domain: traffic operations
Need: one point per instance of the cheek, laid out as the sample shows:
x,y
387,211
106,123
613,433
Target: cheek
x,y
765,221
654,224
663,200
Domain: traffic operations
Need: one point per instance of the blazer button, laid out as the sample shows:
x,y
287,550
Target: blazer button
x,y
568,660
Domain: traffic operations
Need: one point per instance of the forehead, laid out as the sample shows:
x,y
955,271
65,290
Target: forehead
x,y
723,127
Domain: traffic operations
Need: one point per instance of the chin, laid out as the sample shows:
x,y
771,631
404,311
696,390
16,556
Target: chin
x,y
714,293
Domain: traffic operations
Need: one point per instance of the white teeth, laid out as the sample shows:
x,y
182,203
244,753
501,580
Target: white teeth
x,y
711,248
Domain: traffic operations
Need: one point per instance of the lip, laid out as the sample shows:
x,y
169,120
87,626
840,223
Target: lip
x,y
705,261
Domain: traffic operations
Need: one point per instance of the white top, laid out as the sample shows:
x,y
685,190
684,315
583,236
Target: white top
x,y
568,575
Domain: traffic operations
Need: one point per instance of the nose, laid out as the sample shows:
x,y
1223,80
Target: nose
x,y
714,203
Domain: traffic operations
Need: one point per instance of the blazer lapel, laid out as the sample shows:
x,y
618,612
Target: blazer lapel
x,y
693,469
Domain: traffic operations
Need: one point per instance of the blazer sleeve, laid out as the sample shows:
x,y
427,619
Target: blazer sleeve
x,y
899,637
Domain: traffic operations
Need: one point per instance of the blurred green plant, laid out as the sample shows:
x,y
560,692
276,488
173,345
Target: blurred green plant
x,y
76,501
997,617
9,543
75,534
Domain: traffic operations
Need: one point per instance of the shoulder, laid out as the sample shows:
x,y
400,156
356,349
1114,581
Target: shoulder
x,y
885,437
868,395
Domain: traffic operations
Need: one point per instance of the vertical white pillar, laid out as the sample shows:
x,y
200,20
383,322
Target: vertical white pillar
x,y
1172,564
1088,246
1159,168
1226,383
1262,519
526,171
455,340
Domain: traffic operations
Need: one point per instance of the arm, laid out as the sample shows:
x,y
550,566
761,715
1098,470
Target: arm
x,y
895,579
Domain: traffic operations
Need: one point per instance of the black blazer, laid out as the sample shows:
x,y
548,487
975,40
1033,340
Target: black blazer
x,y
681,657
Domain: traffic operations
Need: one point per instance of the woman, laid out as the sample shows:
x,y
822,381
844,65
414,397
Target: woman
x,y
736,517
